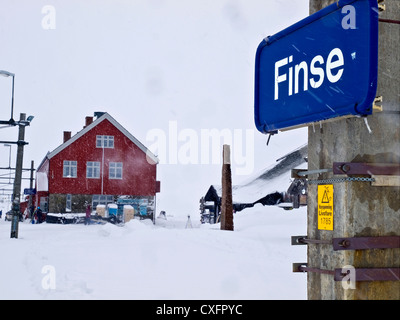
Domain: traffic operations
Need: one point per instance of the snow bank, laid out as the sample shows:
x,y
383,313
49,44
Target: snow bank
x,y
164,261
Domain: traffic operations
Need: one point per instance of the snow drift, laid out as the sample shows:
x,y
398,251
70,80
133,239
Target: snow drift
x,y
164,261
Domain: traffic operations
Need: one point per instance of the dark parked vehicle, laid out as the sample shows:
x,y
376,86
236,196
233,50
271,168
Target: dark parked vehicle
x,y
8,216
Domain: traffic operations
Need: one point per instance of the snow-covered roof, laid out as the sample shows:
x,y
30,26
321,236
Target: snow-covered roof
x,y
103,117
276,178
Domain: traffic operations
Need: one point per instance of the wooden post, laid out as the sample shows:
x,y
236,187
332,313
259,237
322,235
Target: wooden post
x,y
16,205
226,205
31,186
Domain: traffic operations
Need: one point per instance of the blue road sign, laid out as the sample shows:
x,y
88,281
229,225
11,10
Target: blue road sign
x,y
324,66
29,191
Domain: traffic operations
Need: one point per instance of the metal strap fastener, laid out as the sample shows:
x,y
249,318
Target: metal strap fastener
x,y
300,240
302,267
361,274
303,173
364,243
366,168
299,174
369,274
390,21
351,168
337,180
357,243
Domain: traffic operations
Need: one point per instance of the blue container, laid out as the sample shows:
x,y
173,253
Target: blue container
x,y
112,211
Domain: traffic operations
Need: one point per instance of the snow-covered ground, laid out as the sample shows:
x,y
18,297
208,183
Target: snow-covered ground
x,y
164,261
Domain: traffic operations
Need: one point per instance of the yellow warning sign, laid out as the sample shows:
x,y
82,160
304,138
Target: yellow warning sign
x,y
325,207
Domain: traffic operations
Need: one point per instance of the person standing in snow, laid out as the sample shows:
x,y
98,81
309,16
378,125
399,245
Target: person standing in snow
x,y
31,211
88,212
39,215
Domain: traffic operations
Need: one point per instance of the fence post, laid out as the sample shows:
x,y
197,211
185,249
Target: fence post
x,y
226,205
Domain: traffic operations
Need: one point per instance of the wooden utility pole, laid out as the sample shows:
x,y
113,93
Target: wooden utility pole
x,y
18,177
226,205
360,209
31,187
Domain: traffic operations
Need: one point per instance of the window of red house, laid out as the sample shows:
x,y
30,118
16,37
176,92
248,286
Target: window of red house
x,y
115,170
105,141
70,169
93,169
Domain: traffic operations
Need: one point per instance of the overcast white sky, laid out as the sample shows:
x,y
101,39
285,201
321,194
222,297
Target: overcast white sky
x,y
147,63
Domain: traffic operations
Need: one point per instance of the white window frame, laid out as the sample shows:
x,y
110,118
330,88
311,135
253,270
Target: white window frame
x,y
105,142
115,170
93,169
101,199
70,169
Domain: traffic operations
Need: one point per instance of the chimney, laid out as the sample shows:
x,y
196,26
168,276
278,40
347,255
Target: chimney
x,y
88,121
67,136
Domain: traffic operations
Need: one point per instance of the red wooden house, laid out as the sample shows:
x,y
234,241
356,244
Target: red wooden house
x,y
97,165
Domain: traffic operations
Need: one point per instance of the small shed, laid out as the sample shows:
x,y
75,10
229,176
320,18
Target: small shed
x,y
210,204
